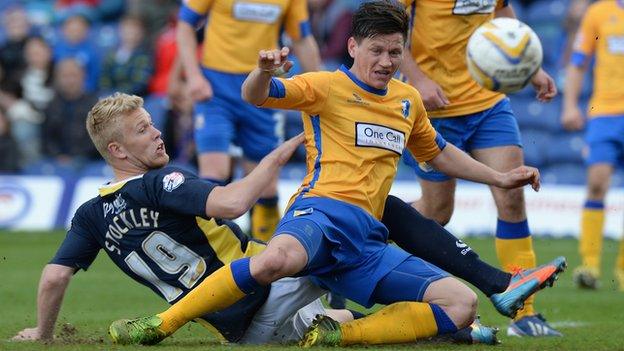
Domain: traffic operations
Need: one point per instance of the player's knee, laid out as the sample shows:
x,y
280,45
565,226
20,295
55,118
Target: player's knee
x,y
273,265
443,213
596,190
462,308
440,211
512,202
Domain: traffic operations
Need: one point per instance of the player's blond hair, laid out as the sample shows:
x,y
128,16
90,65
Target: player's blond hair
x,y
103,121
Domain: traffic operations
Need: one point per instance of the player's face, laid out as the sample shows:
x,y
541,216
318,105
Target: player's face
x,y
141,141
375,60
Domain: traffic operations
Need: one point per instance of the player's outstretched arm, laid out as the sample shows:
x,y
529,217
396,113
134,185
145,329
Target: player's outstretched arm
x,y
52,285
236,198
458,164
256,87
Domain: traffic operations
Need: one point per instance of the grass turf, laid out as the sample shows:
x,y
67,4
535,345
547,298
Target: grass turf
x,y
590,320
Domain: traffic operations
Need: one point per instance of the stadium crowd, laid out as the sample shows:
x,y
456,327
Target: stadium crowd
x,y
58,57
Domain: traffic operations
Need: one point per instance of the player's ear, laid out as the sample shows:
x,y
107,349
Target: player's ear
x,y
351,46
116,150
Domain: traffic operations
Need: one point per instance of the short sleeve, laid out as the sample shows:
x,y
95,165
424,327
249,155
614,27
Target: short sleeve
x,y
193,11
179,191
307,92
424,142
586,37
79,249
297,21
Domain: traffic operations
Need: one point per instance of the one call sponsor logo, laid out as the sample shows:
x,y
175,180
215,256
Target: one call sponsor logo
x,y
468,7
254,12
373,135
15,202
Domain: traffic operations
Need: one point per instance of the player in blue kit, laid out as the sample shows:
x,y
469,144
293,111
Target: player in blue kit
x,y
235,31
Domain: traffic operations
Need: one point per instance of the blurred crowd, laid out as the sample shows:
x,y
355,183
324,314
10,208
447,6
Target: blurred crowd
x,y
57,57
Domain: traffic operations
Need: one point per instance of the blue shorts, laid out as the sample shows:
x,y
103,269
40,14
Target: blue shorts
x,y
226,119
496,126
348,253
605,140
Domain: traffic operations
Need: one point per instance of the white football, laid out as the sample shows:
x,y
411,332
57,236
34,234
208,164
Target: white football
x,y
503,54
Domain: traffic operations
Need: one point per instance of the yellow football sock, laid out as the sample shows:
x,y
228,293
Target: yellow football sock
x,y
399,322
517,253
216,292
619,266
264,220
590,242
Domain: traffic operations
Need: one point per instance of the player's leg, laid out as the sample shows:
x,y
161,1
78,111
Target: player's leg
x,y
265,213
437,199
497,144
428,240
213,132
592,225
259,132
423,302
604,143
289,309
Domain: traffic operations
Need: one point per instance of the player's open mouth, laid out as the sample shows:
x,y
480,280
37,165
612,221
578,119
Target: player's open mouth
x,y
160,148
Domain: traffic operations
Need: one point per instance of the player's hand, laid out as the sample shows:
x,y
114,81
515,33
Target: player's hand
x,y
274,62
572,118
518,177
283,152
199,88
28,334
544,86
431,93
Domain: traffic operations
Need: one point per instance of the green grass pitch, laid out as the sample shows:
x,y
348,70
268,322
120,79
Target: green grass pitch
x,y
590,320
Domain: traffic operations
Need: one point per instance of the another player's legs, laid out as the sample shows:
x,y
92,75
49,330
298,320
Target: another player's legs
x,y
437,200
265,214
592,225
619,267
214,128
261,130
514,245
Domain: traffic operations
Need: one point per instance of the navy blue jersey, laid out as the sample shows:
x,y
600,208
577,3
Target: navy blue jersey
x,y
154,227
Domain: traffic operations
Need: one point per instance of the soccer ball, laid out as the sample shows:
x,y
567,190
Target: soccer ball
x,y
503,55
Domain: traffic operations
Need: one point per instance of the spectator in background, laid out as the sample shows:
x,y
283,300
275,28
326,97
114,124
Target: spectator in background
x,y
156,14
17,27
8,146
66,139
165,50
331,26
36,79
74,43
25,120
128,68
